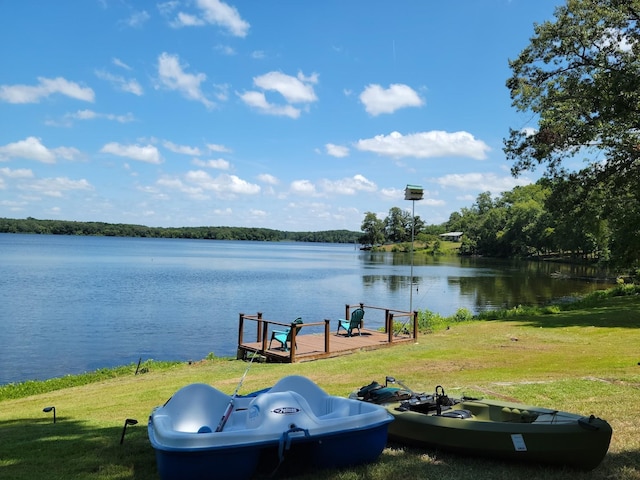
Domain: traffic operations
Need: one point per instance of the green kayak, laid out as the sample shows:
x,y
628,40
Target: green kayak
x,y
490,428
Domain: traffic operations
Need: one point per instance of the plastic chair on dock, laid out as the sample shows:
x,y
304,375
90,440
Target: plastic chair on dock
x,y
284,336
355,322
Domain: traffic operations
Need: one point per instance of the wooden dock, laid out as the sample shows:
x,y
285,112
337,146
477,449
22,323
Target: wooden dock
x,y
324,342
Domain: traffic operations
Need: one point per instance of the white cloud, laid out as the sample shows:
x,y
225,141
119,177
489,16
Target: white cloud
x,y
182,149
45,88
91,115
392,193
326,187
303,187
187,20
294,89
348,186
268,179
196,183
16,173
119,63
297,89
482,182
218,164
212,12
258,101
426,145
68,153
223,184
144,153
377,100
55,187
214,147
29,149
173,77
130,85
137,19
227,212
219,13
337,150
225,50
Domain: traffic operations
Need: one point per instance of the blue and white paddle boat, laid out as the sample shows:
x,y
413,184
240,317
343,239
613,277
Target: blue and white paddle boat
x,y
201,432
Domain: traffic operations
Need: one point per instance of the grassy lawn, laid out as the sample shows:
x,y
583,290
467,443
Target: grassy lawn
x,y
584,361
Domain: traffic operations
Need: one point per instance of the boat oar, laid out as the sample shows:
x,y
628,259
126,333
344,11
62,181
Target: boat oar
x,y
229,409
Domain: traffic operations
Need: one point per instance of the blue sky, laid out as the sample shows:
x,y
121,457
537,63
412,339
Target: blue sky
x,y
284,114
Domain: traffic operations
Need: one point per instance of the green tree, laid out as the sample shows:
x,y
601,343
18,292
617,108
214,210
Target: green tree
x,y
373,230
397,225
580,78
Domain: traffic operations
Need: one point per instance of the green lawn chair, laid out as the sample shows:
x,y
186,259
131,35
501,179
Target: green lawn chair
x,y
349,325
284,336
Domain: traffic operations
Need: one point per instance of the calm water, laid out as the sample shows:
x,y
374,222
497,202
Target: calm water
x,y
75,304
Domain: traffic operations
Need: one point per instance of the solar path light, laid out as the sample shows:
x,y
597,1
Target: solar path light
x,y
128,421
50,409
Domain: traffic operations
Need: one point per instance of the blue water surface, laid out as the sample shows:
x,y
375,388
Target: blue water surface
x,y
70,304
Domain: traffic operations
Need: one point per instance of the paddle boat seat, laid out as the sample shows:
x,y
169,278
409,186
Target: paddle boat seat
x,y
284,336
196,408
355,322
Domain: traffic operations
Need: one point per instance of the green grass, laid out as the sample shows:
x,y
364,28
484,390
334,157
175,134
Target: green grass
x,y
584,360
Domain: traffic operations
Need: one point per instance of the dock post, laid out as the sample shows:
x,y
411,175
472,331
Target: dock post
x,y
259,328
240,352
390,327
265,331
415,325
327,328
292,352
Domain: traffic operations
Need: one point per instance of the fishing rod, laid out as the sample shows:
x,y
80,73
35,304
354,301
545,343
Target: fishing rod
x,y
229,409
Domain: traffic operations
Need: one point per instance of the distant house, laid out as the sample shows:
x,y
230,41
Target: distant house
x,y
451,236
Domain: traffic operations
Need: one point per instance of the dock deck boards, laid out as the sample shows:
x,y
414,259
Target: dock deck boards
x,y
311,346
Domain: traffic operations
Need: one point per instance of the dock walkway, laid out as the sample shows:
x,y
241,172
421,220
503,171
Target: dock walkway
x,y
306,347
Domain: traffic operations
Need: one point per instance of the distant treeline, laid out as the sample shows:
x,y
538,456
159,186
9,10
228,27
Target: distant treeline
x,y
65,227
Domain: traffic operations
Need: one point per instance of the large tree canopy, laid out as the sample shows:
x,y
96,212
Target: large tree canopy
x,y
580,79
580,76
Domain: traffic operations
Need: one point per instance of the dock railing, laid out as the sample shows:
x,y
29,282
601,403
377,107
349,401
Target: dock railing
x,y
396,323
263,327
390,316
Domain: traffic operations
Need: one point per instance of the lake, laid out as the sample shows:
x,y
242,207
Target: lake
x,y
75,304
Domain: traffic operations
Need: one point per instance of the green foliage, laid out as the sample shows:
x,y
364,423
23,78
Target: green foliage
x,y
429,321
35,387
580,78
63,227
372,230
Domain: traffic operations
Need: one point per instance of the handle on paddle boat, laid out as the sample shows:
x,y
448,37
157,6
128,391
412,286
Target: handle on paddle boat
x,y
285,440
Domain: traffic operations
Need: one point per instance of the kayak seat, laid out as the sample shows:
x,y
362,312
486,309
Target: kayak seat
x,y
457,414
480,410
284,336
354,322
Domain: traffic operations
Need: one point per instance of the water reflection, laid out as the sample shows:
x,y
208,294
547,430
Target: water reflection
x,y
444,284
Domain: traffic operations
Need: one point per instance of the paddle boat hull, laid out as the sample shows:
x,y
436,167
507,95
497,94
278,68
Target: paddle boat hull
x,y
294,422
493,428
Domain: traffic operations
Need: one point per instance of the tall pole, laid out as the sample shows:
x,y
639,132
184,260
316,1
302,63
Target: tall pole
x,y
413,230
413,193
